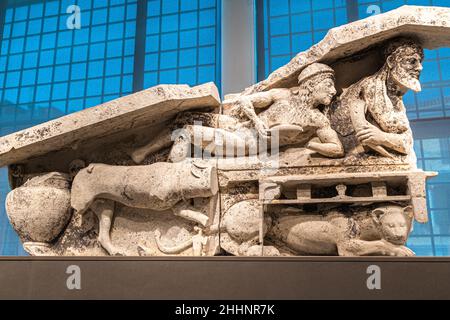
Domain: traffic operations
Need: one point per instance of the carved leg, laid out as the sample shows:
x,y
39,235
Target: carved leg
x,y
375,248
212,141
105,212
180,149
161,141
184,210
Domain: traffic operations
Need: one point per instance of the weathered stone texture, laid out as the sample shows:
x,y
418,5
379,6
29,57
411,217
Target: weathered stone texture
x,y
315,160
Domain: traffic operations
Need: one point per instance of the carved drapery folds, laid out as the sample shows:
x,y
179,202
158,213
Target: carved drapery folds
x,y
315,160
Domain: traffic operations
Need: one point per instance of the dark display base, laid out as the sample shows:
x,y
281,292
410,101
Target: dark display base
x,y
223,278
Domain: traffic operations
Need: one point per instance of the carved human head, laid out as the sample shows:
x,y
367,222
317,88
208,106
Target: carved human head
x,y
318,80
404,59
394,222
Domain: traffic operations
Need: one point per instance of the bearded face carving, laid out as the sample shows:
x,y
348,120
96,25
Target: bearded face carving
x,y
405,64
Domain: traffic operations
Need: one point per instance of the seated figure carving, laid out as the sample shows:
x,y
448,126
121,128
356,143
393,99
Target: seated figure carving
x,y
375,104
294,113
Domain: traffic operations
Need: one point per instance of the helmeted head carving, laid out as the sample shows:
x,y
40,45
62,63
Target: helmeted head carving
x,y
404,60
394,222
317,80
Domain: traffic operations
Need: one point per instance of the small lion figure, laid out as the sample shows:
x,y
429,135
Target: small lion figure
x,y
380,232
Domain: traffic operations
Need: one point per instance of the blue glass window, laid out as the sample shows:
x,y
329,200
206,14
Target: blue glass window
x,y
49,67
182,44
292,26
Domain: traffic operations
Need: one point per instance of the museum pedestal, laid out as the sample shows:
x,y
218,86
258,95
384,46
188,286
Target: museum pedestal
x,y
224,278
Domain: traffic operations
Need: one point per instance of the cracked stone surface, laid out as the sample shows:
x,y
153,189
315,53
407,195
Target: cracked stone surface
x,y
116,180
145,108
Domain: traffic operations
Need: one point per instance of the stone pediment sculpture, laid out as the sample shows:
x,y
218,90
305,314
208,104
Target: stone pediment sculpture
x,y
315,160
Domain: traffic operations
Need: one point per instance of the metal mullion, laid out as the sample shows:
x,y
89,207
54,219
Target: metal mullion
x,y
105,54
188,29
441,78
3,8
352,10
140,40
425,236
197,47
436,84
303,12
290,29
63,64
178,42
334,13
54,58
416,102
184,11
293,33
105,24
269,36
432,235
25,39
69,81
64,47
218,45
43,33
87,57
6,66
433,158
312,21
123,50
430,221
44,5
158,77
188,67
57,16
260,60
173,50
2,21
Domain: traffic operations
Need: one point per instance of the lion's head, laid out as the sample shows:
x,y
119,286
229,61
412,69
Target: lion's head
x,y
394,222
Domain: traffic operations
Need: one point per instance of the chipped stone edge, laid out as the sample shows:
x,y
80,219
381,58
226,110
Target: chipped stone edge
x,y
64,127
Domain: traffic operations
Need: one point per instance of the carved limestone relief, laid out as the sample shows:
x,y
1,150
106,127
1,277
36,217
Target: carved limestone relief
x,y
375,106
316,159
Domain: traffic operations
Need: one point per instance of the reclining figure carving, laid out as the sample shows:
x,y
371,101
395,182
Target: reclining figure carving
x,y
159,187
293,113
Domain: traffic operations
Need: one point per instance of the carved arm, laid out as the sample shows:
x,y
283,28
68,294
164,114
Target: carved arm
x,y
247,105
368,134
330,145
